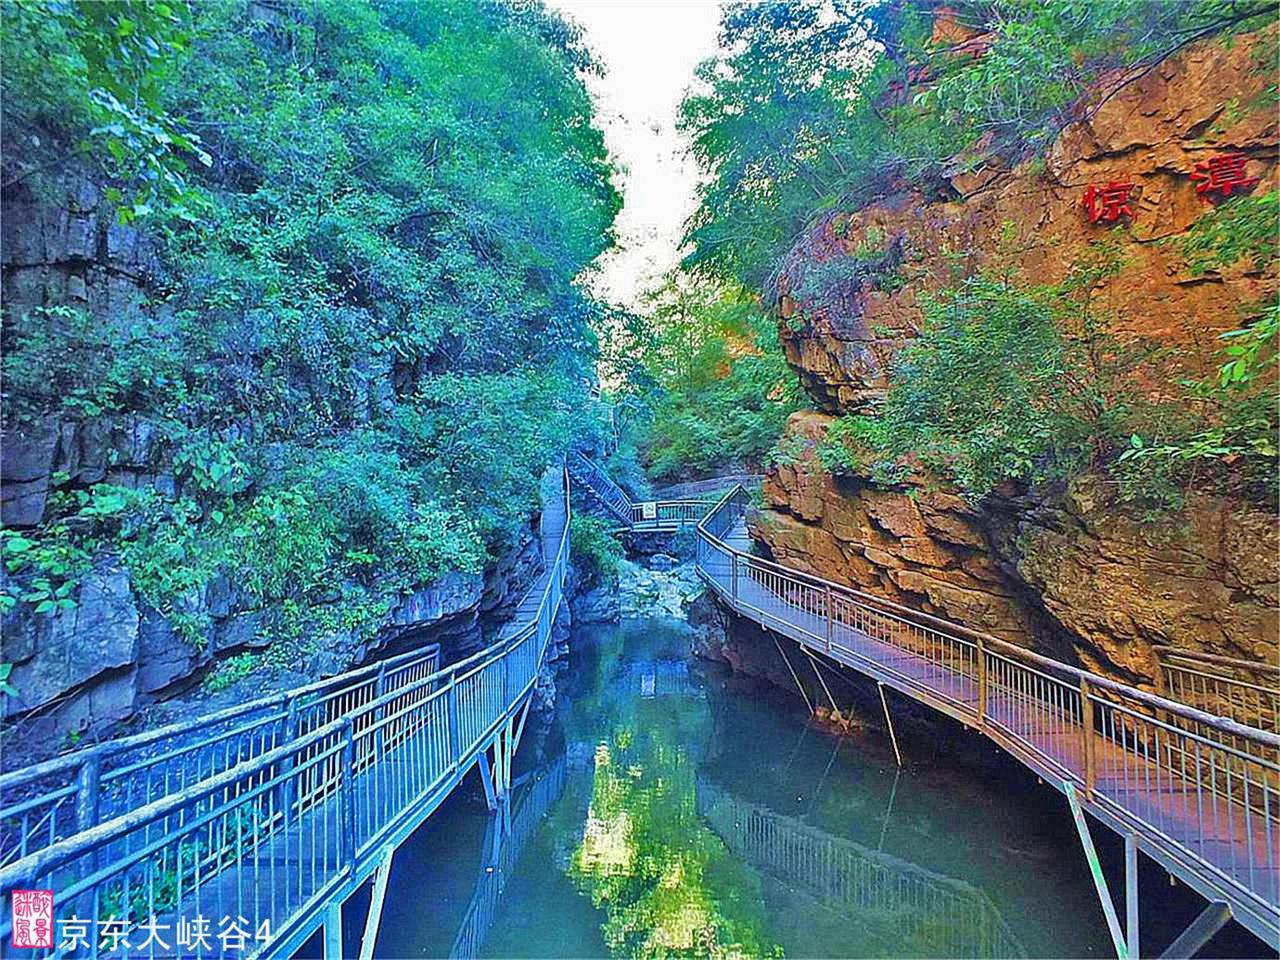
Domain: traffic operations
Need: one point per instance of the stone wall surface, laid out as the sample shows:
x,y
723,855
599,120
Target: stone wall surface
x,y
113,660
1062,570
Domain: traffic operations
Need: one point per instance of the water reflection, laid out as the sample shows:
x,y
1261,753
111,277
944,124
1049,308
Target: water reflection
x,y
690,814
897,903
505,837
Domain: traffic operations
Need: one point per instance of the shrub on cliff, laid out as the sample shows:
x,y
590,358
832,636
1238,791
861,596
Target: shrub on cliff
x,y
596,551
1014,382
713,380
815,106
364,337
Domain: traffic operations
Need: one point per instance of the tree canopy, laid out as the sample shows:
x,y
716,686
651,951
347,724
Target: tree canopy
x,y
369,330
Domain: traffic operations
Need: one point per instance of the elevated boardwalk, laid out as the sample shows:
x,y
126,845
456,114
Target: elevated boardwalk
x,y
279,809
652,516
1197,792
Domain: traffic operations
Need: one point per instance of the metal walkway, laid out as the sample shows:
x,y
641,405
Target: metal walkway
x,y
281,809
649,516
1197,792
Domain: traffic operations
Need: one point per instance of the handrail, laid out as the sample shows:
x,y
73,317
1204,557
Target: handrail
x,y
107,748
1163,650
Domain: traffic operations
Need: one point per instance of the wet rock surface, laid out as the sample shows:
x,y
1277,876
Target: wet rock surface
x,y
649,592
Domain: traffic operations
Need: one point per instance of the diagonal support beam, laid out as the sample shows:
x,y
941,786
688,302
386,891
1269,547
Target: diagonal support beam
x,y
787,660
1095,870
486,778
1212,919
372,922
888,719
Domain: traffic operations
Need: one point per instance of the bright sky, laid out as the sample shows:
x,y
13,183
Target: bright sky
x,y
649,49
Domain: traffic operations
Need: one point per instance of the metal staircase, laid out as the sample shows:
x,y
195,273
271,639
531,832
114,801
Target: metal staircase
x,y
601,486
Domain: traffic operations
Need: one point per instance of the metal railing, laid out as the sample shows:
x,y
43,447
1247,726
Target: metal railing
x,y
668,514
50,801
1242,690
1200,789
608,493
652,515
284,833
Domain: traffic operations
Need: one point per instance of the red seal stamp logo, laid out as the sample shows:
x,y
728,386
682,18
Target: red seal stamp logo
x,y
32,919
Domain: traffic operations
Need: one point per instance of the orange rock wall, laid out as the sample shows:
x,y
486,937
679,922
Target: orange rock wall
x,y
1150,129
1061,570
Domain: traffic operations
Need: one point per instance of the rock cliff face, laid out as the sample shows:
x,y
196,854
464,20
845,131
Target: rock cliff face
x,y
1148,129
84,671
1061,569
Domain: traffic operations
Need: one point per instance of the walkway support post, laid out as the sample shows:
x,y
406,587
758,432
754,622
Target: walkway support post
x,y
486,778
1086,731
348,792
333,931
380,877
1131,893
733,567
1095,870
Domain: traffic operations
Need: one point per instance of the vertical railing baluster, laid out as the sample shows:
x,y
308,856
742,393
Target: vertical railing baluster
x,y
830,616
1086,731
982,681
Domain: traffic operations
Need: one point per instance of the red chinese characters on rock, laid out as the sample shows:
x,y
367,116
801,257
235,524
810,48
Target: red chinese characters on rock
x,y
1107,203
1222,173
32,919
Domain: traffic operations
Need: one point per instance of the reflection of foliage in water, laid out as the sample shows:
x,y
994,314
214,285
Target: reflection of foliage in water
x,y
667,884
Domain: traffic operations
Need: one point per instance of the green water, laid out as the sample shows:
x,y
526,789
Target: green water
x,y
677,809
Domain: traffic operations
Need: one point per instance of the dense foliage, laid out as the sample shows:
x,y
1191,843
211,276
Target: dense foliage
x,y
368,338
709,378
816,108
597,553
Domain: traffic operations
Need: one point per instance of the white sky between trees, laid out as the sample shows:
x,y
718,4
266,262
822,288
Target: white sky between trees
x,y
649,49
